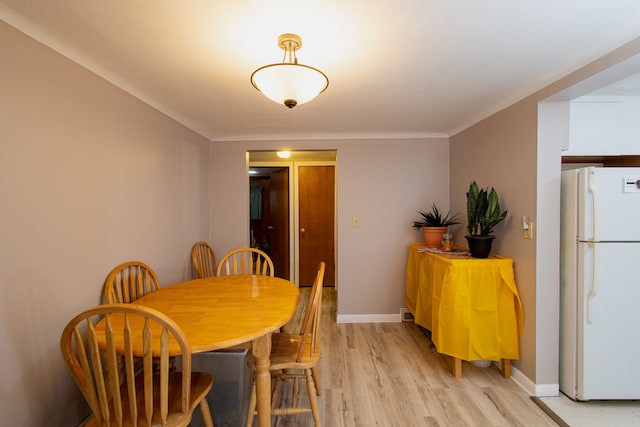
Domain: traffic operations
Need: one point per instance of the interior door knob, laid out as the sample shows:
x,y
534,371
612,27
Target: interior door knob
x,y
302,230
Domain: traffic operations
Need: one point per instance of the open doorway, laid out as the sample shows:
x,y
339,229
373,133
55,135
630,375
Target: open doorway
x,y
269,215
293,210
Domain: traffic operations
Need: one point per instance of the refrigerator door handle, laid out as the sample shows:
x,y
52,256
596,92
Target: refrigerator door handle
x,y
594,283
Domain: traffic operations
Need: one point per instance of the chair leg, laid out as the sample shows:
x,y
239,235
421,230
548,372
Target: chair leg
x,y
311,389
275,390
252,406
294,393
316,380
206,413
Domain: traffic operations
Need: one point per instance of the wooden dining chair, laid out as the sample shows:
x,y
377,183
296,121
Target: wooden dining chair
x,y
204,260
295,356
128,282
246,261
120,395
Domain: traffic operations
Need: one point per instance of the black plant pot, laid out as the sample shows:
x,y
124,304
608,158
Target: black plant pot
x,y
479,246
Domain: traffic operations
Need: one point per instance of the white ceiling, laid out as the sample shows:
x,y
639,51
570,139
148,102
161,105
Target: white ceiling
x,y
402,68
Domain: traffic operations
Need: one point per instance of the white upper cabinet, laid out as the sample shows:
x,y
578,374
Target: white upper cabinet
x,y
631,126
595,129
604,126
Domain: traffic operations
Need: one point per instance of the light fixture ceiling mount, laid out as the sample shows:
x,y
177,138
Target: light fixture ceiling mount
x,y
288,82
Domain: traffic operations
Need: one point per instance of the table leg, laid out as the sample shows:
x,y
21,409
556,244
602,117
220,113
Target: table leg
x,y
506,368
261,349
457,367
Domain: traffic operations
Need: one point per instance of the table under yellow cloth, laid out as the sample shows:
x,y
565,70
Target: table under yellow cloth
x,y
471,306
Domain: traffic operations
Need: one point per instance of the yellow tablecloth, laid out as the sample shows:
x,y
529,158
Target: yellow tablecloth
x,y
471,306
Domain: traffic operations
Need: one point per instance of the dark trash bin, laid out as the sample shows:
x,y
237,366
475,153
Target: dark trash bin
x,y
231,391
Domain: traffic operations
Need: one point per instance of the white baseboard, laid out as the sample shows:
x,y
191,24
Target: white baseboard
x,y
369,318
547,390
531,388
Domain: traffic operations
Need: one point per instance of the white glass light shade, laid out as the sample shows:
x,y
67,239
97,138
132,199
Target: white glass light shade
x,y
289,84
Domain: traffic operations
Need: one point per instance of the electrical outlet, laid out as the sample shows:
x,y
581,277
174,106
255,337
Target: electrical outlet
x,y
355,221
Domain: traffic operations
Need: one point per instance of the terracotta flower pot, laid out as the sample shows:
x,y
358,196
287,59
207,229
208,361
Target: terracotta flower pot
x,y
433,236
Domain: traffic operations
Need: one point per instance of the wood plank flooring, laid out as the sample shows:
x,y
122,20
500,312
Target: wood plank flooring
x,y
386,374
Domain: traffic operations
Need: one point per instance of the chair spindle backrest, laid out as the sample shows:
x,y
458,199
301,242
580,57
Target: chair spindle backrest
x,y
95,354
128,282
204,260
311,321
246,261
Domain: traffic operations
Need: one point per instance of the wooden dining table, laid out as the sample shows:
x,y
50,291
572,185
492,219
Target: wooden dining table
x,y
225,311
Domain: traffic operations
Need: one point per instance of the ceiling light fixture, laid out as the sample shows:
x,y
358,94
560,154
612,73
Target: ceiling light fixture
x,y
284,154
288,82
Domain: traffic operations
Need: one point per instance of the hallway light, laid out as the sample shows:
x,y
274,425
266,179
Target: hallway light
x,y
284,154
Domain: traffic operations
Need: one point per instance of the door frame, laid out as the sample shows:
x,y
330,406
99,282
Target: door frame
x,y
294,220
296,215
290,166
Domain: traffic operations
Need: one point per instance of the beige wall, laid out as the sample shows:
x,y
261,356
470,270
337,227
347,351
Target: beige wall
x,y
89,177
384,182
518,151
500,152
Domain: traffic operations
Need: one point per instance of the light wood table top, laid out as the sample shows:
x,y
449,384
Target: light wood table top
x,y
221,312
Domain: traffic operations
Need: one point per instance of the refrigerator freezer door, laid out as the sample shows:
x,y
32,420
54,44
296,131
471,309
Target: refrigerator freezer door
x,y
608,316
608,211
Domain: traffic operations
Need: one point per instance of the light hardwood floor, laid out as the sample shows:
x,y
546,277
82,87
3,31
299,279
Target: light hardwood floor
x,y
386,374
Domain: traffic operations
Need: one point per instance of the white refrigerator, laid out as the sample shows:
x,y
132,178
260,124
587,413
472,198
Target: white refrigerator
x,y
600,283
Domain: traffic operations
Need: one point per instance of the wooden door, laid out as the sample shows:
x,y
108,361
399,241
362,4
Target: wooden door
x,y
279,224
316,212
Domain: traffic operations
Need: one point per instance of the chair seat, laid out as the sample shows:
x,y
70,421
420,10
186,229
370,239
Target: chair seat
x,y
285,351
201,384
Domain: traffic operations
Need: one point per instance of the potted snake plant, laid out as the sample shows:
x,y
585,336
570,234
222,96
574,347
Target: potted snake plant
x,y
483,214
434,225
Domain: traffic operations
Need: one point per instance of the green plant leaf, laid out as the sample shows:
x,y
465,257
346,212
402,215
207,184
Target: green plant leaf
x,y
483,211
435,219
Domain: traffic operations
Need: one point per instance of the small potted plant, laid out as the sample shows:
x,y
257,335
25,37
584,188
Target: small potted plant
x,y
434,225
483,214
